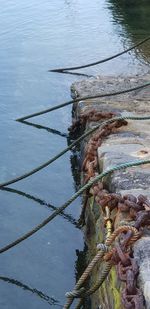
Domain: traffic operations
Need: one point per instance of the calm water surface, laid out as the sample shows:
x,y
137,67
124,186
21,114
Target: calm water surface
x,y
36,36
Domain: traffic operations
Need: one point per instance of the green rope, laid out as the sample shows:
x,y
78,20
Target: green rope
x,y
60,70
82,99
74,197
40,167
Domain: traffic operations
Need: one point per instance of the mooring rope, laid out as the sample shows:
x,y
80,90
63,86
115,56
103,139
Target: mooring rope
x,y
38,200
78,291
83,99
74,197
77,141
98,284
60,70
94,288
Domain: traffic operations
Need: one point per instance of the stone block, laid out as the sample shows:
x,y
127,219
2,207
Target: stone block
x,y
128,143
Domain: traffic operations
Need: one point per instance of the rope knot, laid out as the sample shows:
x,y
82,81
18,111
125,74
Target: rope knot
x,y
102,247
75,293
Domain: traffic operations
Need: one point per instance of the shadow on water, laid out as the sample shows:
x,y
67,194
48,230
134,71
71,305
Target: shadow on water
x,y
48,299
79,269
134,17
67,217
80,266
76,162
73,73
39,126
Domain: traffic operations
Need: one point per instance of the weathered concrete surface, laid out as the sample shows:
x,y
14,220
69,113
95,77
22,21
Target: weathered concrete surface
x,y
129,143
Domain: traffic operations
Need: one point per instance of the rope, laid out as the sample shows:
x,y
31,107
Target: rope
x,y
38,200
78,306
40,167
86,273
92,290
121,229
74,197
82,99
100,61
76,292
79,292
77,141
103,276
74,73
96,286
102,246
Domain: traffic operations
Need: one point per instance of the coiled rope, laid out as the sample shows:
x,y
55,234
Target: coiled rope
x,y
60,70
82,99
77,141
74,197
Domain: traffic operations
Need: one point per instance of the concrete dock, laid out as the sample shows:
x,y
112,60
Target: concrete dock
x,y
126,143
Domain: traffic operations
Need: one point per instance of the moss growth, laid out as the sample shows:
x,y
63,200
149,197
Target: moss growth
x,y
115,291
109,293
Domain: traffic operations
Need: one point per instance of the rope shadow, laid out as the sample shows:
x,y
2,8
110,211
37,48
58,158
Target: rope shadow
x,y
67,217
43,296
50,130
72,73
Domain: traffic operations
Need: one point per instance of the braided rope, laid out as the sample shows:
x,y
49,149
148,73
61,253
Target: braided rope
x,y
79,293
108,264
75,293
74,197
72,295
61,70
78,306
103,247
82,99
121,229
98,284
65,150
92,290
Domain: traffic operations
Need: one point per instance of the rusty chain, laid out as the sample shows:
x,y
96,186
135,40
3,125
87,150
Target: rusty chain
x,y
137,209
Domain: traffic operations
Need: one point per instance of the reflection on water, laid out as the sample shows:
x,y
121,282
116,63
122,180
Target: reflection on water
x,y
66,216
48,299
134,16
39,126
36,36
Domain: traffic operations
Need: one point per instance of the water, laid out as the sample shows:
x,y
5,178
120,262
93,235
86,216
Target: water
x,y
36,36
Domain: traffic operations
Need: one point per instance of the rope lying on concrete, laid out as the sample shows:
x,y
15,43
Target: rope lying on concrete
x,y
82,99
74,197
40,167
60,70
